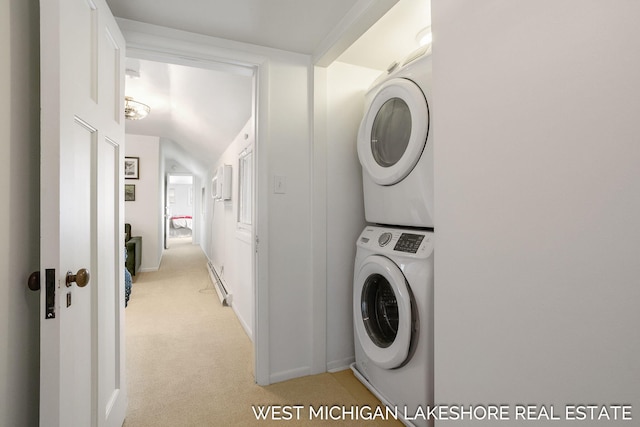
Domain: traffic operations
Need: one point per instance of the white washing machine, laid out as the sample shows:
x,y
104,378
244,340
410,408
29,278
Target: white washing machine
x,y
393,319
395,145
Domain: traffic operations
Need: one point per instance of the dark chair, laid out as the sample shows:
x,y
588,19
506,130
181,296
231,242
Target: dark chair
x,y
134,250
128,283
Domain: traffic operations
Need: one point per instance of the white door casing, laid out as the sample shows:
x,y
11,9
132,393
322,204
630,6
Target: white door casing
x,y
82,380
163,47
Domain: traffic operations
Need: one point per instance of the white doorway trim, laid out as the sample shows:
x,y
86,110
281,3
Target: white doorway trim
x,y
195,201
160,44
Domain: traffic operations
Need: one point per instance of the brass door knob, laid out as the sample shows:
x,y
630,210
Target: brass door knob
x,y
81,278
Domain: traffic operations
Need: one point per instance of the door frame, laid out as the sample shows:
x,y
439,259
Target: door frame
x,y
195,207
195,51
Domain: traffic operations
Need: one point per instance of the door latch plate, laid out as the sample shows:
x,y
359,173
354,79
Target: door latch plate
x,y
50,296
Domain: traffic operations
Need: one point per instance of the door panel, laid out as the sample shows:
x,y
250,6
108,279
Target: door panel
x,y
111,312
76,318
79,19
82,214
110,65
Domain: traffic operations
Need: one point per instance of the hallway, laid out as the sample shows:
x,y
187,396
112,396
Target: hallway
x,y
190,363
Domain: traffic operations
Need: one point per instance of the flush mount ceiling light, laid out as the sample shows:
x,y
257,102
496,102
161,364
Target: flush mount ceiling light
x,y
424,36
134,110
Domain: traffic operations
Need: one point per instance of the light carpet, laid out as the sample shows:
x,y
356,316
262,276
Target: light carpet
x,y
190,363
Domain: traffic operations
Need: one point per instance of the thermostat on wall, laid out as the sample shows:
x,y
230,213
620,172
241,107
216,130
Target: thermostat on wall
x,y
226,182
221,183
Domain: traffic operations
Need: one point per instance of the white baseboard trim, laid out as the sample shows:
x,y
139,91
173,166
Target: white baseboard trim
x,y
377,394
289,375
340,365
149,269
244,325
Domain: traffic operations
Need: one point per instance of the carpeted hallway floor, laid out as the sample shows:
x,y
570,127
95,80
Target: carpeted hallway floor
x,y
190,363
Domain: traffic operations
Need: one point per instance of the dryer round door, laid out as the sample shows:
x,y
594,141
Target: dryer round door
x,y
382,312
394,131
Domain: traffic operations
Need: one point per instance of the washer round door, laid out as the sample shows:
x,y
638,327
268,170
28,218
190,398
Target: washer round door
x,y
382,310
394,131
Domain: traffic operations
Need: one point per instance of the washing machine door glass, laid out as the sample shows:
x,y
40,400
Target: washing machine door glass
x,y
379,310
383,313
394,131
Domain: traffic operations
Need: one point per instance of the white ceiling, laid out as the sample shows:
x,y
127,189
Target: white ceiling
x,y
293,25
200,109
203,110
392,38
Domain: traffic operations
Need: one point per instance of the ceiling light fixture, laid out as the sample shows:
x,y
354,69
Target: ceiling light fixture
x,y
134,110
424,36
130,72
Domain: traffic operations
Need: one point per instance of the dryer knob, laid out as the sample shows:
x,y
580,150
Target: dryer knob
x,y
384,239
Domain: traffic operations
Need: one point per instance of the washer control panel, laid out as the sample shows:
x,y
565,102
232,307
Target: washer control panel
x,y
386,240
409,242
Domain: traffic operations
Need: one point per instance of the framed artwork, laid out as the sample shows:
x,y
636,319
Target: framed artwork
x,y
132,167
129,193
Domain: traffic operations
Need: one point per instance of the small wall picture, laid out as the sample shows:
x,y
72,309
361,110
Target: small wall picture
x,y
132,167
129,193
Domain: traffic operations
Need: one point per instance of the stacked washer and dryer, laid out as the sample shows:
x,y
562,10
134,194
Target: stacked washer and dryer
x,y
393,278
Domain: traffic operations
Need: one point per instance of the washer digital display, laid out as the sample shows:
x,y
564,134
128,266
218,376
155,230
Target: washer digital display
x,y
409,243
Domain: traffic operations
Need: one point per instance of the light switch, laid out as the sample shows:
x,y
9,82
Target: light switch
x,y
279,184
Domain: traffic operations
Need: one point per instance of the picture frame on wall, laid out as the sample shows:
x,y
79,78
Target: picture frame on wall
x,y
132,167
129,193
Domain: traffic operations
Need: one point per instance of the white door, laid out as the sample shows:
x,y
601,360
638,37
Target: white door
x,y
393,131
82,367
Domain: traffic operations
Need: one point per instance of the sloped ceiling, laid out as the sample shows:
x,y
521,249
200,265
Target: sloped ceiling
x,y
203,110
200,109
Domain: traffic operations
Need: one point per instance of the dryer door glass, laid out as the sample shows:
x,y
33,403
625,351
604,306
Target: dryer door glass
x,y
391,132
379,310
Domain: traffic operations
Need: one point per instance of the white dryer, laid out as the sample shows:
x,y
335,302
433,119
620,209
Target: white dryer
x,y
395,145
393,319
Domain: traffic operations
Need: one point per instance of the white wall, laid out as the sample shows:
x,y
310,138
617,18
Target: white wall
x,y
284,149
182,199
143,213
227,246
288,152
19,190
537,202
345,88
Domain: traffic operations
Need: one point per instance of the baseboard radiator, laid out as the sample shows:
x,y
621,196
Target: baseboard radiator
x,y
218,285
